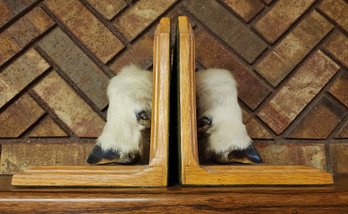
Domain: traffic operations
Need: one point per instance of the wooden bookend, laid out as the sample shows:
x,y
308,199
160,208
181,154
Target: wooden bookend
x,y
154,174
192,173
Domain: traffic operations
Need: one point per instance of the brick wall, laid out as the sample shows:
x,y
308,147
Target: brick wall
x,y
290,59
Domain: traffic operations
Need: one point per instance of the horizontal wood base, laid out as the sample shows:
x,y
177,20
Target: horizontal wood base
x,y
255,175
150,176
132,176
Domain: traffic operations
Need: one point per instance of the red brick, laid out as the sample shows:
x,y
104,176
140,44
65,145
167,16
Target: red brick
x,y
61,98
339,152
140,54
339,88
295,94
214,55
108,8
282,15
246,116
22,32
19,74
8,48
77,65
344,132
40,19
293,48
257,131
232,31
137,18
337,45
254,127
246,9
337,10
85,26
47,128
10,9
30,26
308,154
19,116
320,121
16,157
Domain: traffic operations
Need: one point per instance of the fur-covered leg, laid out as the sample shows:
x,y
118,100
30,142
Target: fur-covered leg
x,y
222,134
125,136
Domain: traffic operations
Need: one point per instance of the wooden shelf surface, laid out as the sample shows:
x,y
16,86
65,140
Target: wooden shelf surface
x,y
269,199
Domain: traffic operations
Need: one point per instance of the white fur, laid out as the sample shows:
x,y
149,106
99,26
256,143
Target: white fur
x,y
217,99
129,92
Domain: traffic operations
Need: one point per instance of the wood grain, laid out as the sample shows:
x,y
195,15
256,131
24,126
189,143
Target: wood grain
x,y
187,95
154,174
194,174
310,199
256,175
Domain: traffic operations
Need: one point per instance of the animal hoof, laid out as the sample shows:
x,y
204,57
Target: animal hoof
x,y
99,157
248,155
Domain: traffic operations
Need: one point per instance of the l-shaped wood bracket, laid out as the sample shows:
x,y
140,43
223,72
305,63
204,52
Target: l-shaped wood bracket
x,y
192,173
154,174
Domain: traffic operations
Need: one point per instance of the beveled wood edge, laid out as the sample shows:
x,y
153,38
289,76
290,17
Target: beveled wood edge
x,y
194,174
161,100
156,173
87,169
96,167
258,175
149,177
187,95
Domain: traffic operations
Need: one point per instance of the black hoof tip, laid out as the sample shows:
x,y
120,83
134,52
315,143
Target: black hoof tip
x,y
253,155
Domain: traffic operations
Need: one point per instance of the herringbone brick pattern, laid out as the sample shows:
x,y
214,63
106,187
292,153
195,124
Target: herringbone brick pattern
x,y
289,57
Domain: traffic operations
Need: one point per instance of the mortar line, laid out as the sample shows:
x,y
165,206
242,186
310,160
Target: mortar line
x,y
24,90
235,55
292,71
19,15
151,27
70,82
108,24
28,46
290,29
26,132
77,42
52,114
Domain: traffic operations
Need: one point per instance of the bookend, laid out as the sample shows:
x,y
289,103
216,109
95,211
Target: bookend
x,y
153,174
191,172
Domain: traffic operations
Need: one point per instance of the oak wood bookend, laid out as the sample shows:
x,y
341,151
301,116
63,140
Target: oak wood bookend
x,y
153,174
192,173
